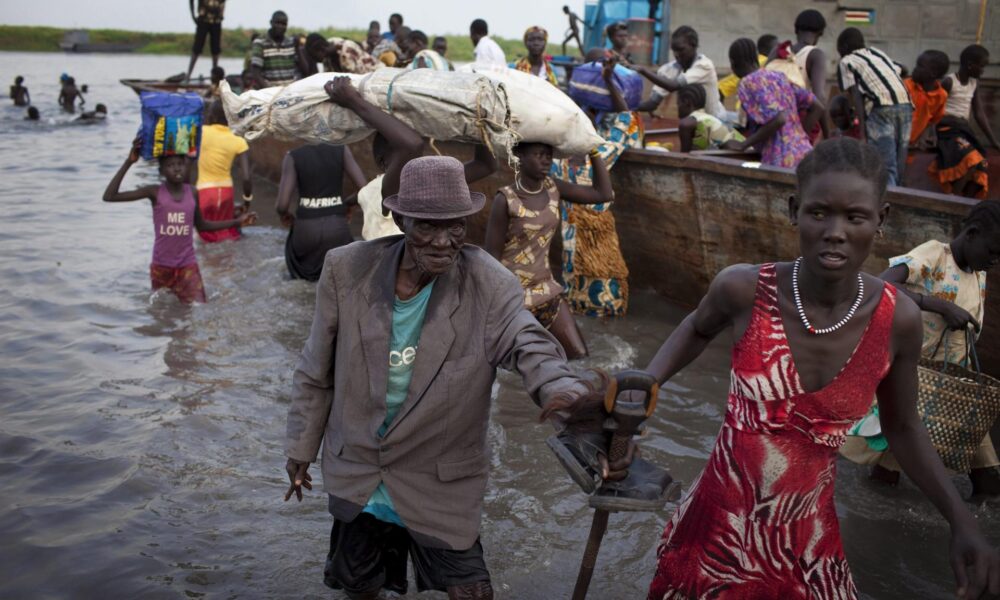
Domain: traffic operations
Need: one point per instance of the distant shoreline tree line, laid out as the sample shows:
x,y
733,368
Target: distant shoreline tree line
x,y
235,42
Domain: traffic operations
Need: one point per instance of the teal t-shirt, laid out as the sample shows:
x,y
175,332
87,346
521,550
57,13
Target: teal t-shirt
x,y
407,321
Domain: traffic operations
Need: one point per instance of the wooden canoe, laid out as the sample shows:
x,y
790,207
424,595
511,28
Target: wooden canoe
x,y
682,218
166,85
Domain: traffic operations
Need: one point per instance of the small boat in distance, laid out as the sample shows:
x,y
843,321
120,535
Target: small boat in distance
x,y
78,40
174,84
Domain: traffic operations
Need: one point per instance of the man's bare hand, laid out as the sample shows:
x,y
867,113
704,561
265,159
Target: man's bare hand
x,y
298,477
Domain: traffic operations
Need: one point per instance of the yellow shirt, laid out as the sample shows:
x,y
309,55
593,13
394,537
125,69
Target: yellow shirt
x,y
934,272
729,83
219,148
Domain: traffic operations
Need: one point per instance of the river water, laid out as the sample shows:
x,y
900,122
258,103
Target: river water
x,y
141,440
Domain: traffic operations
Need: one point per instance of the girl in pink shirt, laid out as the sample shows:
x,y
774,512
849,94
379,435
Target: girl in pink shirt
x,y
175,217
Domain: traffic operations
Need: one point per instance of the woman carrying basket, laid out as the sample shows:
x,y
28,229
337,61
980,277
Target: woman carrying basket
x,y
948,283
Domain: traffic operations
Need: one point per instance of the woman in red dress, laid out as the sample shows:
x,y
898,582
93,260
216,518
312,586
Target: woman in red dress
x,y
814,340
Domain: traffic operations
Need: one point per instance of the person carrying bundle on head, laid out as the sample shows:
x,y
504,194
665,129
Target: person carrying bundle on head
x,y
176,216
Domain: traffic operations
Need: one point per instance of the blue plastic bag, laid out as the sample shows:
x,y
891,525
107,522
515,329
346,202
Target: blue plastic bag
x,y
171,124
587,87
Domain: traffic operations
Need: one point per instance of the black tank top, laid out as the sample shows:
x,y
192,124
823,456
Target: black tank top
x,y
320,169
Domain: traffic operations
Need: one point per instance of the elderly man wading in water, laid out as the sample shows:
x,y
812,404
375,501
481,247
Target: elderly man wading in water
x,y
395,381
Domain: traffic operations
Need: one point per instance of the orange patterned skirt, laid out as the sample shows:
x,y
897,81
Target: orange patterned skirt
x,y
184,281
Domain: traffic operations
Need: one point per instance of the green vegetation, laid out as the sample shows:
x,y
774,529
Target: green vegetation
x,y
235,42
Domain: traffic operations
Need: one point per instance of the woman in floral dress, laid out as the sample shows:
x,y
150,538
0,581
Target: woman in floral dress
x,y
523,221
772,105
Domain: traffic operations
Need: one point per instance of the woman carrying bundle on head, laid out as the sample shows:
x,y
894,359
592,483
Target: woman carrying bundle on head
x,y
772,106
523,221
535,40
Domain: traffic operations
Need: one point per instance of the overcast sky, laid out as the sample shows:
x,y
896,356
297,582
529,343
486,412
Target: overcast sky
x,y
507,18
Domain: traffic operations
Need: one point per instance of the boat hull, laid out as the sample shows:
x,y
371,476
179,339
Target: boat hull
x,y
683,218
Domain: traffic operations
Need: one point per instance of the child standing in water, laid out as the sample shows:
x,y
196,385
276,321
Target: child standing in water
x,y
18,93
69,94
175,210
961,165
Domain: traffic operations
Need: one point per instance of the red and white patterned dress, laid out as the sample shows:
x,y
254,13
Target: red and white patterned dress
x,y
760,523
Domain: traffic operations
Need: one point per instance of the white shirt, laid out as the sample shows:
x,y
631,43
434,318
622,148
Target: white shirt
x,y
959,102
702,72
376,224
489,53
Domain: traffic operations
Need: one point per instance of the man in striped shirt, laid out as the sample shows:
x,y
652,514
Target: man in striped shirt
x,y
274,58
872,83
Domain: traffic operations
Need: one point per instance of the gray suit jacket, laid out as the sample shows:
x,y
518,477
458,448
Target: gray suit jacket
x,y
433,459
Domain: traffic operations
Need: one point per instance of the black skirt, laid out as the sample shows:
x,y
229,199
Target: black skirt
x,y
308,242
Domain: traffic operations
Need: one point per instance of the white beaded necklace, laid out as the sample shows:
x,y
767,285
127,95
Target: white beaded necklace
x,y
517,181
802,312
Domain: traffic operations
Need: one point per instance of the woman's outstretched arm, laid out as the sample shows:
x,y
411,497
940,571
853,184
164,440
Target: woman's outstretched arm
x,y
730,296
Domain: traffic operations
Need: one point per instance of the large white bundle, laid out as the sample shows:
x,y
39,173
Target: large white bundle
x,y
541,112
291,112
463,107
496,108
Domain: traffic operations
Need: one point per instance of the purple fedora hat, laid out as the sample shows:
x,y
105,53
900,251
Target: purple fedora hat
x,y
433,187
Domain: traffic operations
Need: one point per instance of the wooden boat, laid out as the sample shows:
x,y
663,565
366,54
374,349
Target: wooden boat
x,y
682,218
663,133
173,84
